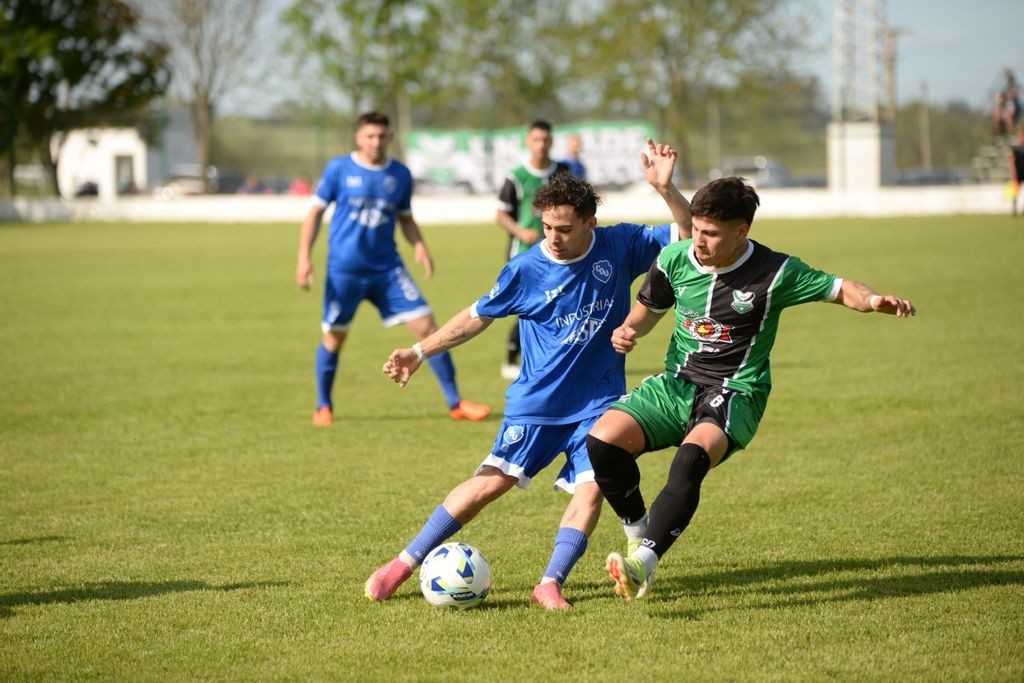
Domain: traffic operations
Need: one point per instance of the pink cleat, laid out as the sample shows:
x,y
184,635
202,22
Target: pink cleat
x,y
385,581
549,596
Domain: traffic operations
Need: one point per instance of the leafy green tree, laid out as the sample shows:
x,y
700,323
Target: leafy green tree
x,y
67,64
663,60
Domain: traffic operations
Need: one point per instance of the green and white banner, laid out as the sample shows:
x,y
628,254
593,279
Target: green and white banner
x,y
477,161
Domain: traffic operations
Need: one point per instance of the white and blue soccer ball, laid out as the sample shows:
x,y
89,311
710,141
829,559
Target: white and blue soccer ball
x,y
455,575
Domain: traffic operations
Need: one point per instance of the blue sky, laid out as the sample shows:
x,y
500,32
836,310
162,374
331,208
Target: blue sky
x,y
960,48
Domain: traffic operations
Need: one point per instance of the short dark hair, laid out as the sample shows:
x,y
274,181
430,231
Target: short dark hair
x,y
372,118
565,189
542,124
725,199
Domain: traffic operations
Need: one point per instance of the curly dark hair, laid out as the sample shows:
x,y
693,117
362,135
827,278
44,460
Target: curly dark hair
x,y
725,199
565,189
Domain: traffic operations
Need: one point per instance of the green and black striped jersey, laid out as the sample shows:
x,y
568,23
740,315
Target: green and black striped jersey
x,y
727,318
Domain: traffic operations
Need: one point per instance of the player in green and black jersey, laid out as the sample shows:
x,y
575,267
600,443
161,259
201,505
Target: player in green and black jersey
x,y
727,293
516,215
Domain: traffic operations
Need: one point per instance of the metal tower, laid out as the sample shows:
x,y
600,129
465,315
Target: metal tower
x,y
859,33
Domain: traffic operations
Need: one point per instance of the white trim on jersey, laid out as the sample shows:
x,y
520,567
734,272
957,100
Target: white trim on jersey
x,y
405,317
506,467
837,285
370,167
760,329
318,201
550,257
728,269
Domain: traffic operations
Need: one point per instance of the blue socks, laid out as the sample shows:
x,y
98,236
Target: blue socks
x,y
570,544
444,368
326,366
440,527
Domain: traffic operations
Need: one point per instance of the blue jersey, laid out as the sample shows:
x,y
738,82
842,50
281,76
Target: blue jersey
x,y
367,199
567,311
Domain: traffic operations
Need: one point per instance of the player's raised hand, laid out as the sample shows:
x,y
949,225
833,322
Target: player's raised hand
x,y
892,305
304,276
658,162
401,364
624,339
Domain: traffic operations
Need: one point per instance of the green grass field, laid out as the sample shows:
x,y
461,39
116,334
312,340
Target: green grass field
x,y
168,513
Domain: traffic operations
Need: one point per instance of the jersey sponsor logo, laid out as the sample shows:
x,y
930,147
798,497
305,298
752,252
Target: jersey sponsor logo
x,y
688,312
552,293
584,312
680,290
603,270
390,183
494,290
354,181
708,330
742,302
368,213
513,435
585,332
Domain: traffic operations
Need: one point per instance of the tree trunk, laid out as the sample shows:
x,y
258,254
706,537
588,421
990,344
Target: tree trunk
x,y
202,122
50,165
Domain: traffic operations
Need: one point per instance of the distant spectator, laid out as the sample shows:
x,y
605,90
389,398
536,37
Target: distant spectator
x,y
1016,169
252,185
87,189
1007,111
300,186
574,144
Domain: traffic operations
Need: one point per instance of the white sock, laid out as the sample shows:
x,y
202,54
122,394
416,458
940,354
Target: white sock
x,y
648,557
636,530
408,559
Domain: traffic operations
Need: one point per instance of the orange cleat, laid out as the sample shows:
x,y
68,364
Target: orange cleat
x,y
467,410
323,417
549,596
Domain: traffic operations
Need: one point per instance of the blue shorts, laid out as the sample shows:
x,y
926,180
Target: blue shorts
x,y
523,450
393,292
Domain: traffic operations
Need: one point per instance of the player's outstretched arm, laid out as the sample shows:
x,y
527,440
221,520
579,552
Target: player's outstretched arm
x,y
411,230
859,297
659,163
638,323
307,235
462,327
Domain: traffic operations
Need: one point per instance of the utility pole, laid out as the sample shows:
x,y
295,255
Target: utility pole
x,y
926,137
889,58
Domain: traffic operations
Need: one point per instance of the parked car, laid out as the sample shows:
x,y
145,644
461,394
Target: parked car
x,y
760,171
188,179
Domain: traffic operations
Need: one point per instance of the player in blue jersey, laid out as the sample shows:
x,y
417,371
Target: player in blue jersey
x,y
369,192
569,291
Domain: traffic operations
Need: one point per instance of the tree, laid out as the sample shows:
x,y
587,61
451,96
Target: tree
x,y
69,64
213,45
666,59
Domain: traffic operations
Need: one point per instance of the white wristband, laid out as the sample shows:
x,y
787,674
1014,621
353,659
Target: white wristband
x,y
418,350
872,300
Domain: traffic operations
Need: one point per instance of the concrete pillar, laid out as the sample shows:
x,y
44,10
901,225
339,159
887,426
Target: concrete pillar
x,y
861,155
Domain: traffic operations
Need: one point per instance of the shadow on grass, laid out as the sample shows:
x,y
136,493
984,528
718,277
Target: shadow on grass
x,y
785,584
34,540
119,590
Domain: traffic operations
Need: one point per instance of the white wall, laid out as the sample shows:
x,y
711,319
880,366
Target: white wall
x,y
88,156
638,205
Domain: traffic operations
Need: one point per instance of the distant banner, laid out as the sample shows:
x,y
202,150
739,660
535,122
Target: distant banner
x,y
477,161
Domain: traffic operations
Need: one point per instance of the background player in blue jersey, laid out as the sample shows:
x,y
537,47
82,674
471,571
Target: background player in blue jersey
x,y
369,191
568,292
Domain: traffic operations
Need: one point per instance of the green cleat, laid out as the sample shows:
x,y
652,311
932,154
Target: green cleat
x,y
628,573
632,545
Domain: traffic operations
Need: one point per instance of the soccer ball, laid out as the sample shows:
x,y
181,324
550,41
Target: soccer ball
x,y
455,575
